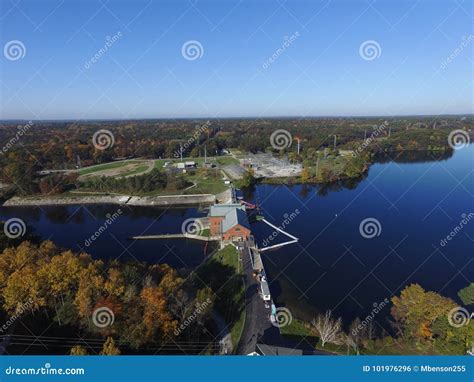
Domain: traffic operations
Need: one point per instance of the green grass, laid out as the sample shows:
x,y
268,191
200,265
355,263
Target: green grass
x,y
135,171
227,160
205,232
101,167
160,162
296,328
302,332
221,273
208,182
228,257
107,166
236,330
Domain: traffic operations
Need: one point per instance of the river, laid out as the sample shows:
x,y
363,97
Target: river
x,y
416,201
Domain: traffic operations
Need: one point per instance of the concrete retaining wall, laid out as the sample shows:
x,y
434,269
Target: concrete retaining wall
x,y
176,200
55,201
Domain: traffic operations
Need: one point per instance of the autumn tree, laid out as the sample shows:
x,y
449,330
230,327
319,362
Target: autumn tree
x,y
305,175
61,275
416,310
449,339
157,319
467,294
78,350
109,347
90,287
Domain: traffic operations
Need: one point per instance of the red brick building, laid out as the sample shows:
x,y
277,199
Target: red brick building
x,y
229,221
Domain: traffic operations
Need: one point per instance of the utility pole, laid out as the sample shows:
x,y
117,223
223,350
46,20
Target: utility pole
x,y
298,146
181,151
389,131
335,139
365,134
205,154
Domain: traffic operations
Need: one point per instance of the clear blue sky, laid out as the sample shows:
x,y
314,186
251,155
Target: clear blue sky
x,y
144,74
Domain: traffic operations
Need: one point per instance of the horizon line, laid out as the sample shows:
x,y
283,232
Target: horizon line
x,y
235,117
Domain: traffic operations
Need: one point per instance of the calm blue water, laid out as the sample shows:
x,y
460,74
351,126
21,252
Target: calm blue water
x,y
332,266
70,226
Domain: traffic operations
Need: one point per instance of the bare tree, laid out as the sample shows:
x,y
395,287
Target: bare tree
x,y
371,330
329,329
350,343
356,334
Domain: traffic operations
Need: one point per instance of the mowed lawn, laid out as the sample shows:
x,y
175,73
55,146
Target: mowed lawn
x,y
222,273
102,167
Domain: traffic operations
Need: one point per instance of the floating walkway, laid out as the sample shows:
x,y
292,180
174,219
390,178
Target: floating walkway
x,y
292,241
176,236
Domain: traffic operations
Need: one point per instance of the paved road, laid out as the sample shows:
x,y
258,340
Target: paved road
x,y
257,319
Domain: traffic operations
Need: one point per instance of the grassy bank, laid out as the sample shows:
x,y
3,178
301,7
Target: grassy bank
x,y
302,333
222,274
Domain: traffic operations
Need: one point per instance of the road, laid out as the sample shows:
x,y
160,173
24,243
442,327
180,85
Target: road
x,y
257,318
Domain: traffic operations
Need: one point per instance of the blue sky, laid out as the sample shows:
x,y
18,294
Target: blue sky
x,y
321,72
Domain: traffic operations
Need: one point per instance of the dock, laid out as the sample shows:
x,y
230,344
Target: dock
x,y
293,240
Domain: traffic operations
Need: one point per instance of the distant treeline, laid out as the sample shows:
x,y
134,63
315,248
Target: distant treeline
x,y
66,145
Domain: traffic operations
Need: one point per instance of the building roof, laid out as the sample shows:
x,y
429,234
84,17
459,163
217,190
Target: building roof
x,y
234,217
277,350
223,209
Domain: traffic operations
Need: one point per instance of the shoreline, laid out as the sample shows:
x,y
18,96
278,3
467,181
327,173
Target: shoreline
x,y
172,200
